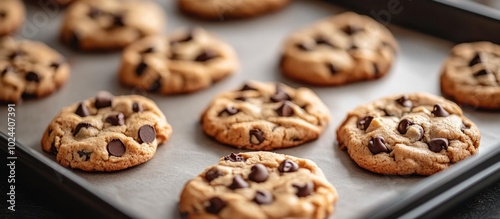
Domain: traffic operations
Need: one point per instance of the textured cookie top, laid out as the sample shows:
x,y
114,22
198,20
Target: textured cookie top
x,y
340,49
186,61
110,24
227,9
265,116
471,74
415,133
259,185
29,69
106,133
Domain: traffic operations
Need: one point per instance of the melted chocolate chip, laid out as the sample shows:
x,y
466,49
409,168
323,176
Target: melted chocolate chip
x,y
482,72
247,87
16,54
206,55
116,119
351,29
258,173
241,98
118,20
3,14
438,144
53,149
84,154
288,166
116,148
80,126
304,46
188,37
404,101
263,197
280,95
476,60
94,12
376,70
137,107
322,40
212,174
32,76
364,123
353,47
215,205
256,136
55,65
285,110
7,69
403,125
234,158
82,110
229,111
141,68
74,41
439,111
331,68
103,99
377,145
238,183
156,85
148,50
305,190
147,133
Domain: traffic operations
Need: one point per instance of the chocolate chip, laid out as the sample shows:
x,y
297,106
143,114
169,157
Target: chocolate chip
x,y
288,166
305,190
258,173
304,46
241,98
280,95
403,125
263,197
147,133
256,136
229,111
53,148
438,144
80,126
74,41
25,95
3,14
141,68
364,122
376,70
439,111
476,60
103,99
285,109
156,85
184,215
377,145
238,183
481,73
117,119
7,69
16,54
331,68
206,55
351,29
116,148
212,174
404,101
247,87
148,50
84,154
234,158
82,110
188,37
215,205
32,76
322,40
94,12
118,20
353,47
55,65
137,107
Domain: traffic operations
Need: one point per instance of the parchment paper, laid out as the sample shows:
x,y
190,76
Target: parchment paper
x,y
152,190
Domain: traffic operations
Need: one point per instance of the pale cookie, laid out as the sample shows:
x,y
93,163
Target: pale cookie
x,y
111,24
415,133
12,14
187,61
259,185
338,50
106,133
229,9
471,75
29,69
265,116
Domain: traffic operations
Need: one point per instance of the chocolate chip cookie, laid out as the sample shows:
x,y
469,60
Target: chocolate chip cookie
x,y
106,133
259,185
109,25
471,75
265,116
29,69
415,133
338,50
186,61
229,9
12,14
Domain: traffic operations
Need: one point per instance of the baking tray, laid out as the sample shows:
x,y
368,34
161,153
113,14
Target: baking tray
x,y
152,190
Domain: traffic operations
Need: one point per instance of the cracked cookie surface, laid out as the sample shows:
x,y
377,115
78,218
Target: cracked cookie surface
x,y
188,60
341,49
229,9
260,185
12,14
106,133
415,133
471,75
265,116
110,25
29,69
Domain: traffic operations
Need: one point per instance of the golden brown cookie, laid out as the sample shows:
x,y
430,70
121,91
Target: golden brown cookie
x,y
12,14
229,9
